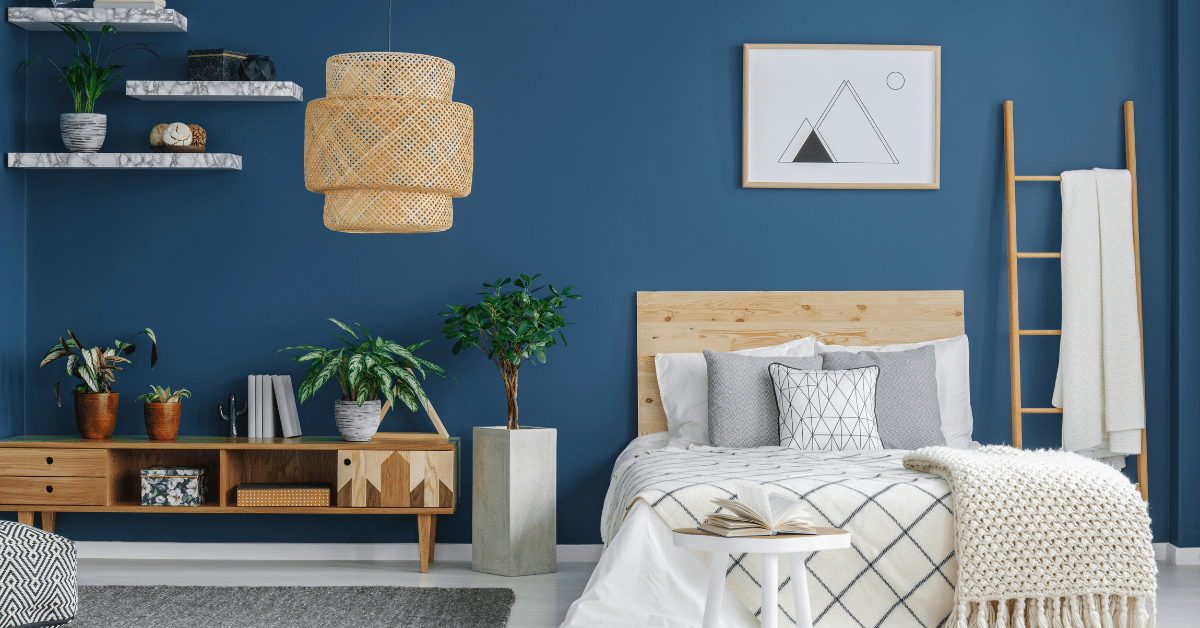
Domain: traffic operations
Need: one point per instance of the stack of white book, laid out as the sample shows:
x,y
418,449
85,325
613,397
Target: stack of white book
x,y
272,404
130,4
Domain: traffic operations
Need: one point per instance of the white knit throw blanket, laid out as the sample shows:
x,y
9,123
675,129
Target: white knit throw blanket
x,y
1045,539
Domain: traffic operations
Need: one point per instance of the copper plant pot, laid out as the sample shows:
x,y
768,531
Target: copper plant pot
x,y
96,414
162,420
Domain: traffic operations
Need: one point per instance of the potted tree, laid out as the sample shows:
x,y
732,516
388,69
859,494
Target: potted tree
x,y
364,368
514,468
95,403
162,409
87,77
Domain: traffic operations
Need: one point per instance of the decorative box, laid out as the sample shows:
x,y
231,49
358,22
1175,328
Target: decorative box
x,y
283,494
173,486
216,64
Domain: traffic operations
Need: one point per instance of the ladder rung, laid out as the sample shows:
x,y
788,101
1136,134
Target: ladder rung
x,y
1041,410
1054,255
1037,178
1039,332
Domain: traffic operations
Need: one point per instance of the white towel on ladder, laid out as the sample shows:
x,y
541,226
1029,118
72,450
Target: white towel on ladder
x,y
1099,384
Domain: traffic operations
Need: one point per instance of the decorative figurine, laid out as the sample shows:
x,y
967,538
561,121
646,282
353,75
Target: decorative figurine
x,y
235,413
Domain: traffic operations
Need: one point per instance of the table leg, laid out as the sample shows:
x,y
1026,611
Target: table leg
x,y
48,522
769,616
25,517
799,574
425,538
716,589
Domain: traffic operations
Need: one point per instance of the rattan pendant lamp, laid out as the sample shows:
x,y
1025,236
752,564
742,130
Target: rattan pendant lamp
x,y
387,146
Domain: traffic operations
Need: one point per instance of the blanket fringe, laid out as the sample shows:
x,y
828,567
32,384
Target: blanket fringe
x,y
1078,611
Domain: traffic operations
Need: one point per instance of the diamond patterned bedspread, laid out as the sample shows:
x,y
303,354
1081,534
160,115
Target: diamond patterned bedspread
x,y
901,569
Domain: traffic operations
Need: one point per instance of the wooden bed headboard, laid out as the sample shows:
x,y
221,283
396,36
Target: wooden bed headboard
x,y
690,322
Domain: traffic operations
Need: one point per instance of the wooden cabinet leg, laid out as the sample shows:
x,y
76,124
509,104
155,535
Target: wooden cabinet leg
x,y
48,522
432,535
25,517
426,526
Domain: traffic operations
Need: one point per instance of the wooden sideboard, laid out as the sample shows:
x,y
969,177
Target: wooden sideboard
x,y
50,474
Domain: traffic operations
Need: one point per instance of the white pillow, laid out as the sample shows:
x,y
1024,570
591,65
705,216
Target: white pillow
x,y
683,388
953,382
826,410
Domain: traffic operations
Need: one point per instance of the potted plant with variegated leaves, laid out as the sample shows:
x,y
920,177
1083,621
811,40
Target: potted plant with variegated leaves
x,y
95,402
162,409
365,368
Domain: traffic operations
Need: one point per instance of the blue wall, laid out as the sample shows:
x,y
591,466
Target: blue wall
x,y
1185,429
608,142
12,239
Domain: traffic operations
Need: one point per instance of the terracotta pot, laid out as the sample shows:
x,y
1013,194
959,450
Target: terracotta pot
x,y
96,414
162,420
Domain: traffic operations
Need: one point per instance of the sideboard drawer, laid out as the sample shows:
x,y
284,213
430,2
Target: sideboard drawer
x,y
53,491
396,479
53,462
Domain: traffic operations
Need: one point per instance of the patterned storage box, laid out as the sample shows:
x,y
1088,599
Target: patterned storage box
x,y
216,64
173,486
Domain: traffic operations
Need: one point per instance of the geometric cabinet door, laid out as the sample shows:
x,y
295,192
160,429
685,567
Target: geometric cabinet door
x,y
395,479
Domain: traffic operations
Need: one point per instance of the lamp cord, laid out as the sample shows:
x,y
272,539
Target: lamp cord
x,y
389,25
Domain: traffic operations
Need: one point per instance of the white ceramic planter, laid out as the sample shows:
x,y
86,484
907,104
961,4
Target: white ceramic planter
x,y
356,423
83,132
513,501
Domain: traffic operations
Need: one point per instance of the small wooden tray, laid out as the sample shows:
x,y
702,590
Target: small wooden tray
x,y
177,149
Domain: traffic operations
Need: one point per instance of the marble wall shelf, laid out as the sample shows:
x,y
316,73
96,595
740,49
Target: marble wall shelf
x,y
114,161
126,20
266,91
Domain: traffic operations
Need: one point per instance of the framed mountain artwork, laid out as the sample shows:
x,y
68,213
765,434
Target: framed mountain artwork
x,y
841,116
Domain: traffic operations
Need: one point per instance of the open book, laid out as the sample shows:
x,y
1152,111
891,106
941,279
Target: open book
x,y
757,512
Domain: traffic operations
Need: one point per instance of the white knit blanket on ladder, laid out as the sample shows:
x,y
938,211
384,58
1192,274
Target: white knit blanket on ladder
x,y
1099,384
1045,539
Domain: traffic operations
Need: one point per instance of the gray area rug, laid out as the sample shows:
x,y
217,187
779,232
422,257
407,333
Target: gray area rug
x,y
292,607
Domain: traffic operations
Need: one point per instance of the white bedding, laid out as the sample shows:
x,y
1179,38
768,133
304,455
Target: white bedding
x,y
900,572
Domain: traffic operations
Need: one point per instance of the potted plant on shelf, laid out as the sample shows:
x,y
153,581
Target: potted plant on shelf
x,y
514,468
364,368
162,411
95,403
87,77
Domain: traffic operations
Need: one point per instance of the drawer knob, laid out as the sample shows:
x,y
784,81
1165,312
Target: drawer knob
x,y
49,460
346,462
49,489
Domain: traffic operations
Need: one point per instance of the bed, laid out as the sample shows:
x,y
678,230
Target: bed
x,y
901,570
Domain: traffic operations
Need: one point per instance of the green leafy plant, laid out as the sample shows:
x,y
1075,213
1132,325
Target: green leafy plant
x,y
510,327
85,75
96,368
365,367
164,395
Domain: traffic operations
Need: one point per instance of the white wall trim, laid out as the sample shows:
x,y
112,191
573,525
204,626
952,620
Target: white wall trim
x,y
455,552
1183,555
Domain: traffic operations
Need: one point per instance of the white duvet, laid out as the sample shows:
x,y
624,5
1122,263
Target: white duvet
x,y
899,573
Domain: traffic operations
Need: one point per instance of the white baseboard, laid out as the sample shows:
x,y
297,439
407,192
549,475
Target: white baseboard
x,y
1178,555
455,552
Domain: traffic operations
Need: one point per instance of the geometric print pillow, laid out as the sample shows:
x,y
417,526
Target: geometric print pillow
x,y
826,410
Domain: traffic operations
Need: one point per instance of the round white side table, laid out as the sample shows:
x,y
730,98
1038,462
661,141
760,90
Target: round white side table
x,y
796,546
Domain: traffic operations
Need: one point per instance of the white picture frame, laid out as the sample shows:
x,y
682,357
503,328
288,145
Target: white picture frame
x,y
841,116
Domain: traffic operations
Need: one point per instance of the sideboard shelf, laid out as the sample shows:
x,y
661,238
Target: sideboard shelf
x,y
215,91
417,474
125,161
125,20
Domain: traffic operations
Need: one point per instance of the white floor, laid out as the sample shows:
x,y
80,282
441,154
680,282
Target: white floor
x,y
542,601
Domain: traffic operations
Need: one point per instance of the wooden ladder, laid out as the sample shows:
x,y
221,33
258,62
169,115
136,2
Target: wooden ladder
x,y
1014,327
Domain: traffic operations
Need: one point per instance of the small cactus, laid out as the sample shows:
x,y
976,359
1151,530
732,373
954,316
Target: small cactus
x,y
235,413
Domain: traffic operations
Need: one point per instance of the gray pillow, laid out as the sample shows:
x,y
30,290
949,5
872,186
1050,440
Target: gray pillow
x,y
742,411
906,396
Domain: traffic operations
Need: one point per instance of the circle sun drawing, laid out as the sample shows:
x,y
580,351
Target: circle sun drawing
x,y
895,80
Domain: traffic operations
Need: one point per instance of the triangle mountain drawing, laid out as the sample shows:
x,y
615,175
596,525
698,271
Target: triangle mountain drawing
x,y
845,133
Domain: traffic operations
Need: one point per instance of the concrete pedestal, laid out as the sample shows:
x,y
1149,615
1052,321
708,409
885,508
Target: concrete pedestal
x,y
514,501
